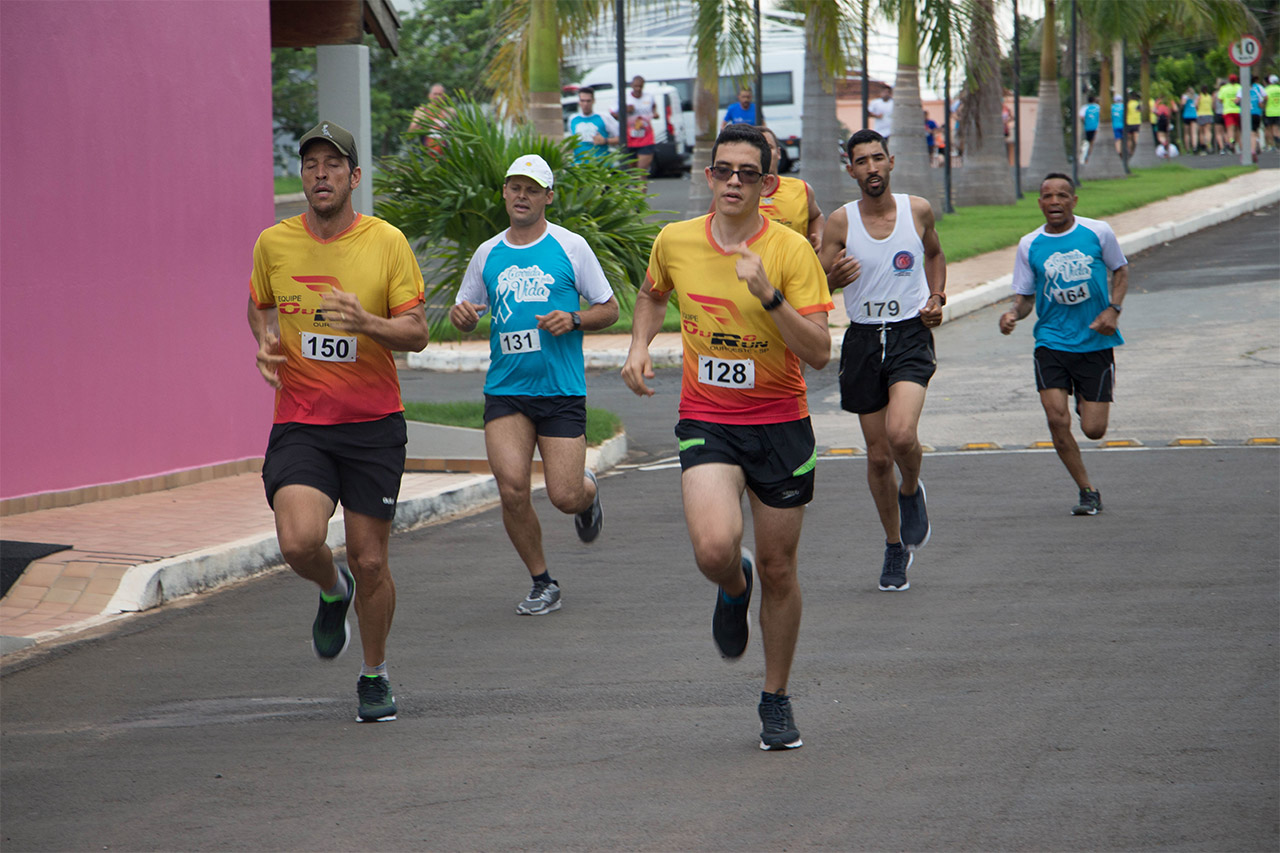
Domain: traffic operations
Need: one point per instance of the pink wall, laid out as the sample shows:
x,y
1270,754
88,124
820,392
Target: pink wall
x,y
135,175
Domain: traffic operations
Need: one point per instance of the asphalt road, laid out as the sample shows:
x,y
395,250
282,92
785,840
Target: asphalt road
x,y
1049,682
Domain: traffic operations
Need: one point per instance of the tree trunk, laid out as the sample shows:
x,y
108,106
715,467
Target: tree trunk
x,y
1144,155
706,105
820,162
1048,152
544,69
908,145
986,177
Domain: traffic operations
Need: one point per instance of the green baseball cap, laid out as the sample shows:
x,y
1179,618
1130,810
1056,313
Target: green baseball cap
x,y
336,135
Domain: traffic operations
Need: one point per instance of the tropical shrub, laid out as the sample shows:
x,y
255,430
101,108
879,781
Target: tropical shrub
x,y
448,200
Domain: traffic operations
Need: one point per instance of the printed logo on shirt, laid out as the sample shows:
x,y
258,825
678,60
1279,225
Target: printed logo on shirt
x,y
522,284
723,311
903,263
1068,266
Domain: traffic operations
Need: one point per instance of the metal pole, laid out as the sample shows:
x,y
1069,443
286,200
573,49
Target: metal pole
x,y
1246,116
1124,103
759,72
946,135
1017,106
1075,103
866,84
620,19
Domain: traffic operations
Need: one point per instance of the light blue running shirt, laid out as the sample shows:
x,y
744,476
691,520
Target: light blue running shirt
x,y
1068,274
519,283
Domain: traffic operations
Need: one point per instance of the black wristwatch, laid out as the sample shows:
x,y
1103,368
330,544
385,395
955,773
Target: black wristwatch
x,y
1115,306
775,302
942,297
577,320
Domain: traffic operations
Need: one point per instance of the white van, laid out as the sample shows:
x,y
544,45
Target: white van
x,y
782,83
673,147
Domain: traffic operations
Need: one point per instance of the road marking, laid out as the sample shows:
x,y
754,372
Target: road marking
x,y
1111,443
980,445
1192,442
1263,442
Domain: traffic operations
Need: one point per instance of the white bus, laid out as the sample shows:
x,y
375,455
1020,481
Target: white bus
x,y
782,82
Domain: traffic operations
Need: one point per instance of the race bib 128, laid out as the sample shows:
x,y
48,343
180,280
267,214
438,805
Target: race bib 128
x,y
727,373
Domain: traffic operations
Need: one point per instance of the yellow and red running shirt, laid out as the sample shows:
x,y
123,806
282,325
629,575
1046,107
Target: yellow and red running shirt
x,y
789,205
737,369
334,377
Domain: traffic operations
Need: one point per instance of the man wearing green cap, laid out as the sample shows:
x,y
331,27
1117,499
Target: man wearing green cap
x,y
333,293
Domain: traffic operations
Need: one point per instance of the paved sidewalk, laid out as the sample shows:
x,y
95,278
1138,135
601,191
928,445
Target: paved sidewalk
x,y
137,552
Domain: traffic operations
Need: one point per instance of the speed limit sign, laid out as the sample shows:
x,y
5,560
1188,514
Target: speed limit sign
x,y
1247,51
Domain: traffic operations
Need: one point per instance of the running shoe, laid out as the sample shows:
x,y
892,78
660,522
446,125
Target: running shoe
x,y
1090,503
541,600
778,723
331,632
729,622
913,519
377,705
590,520
893,577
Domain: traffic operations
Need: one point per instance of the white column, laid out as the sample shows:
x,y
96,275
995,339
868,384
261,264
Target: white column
x,y
342,81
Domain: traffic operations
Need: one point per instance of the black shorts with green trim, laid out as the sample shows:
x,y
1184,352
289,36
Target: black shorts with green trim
x,y
778,460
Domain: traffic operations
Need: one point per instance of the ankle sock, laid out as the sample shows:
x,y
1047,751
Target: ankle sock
x,y
379,671
338,591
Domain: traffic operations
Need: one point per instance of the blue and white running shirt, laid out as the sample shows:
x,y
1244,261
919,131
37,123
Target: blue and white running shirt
x,y
1068,274
520,283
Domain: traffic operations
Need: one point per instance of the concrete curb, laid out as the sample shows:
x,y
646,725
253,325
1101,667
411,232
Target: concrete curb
x,y
149,585
957,306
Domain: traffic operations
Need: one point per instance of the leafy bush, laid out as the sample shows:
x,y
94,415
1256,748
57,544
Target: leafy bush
x,y
450,201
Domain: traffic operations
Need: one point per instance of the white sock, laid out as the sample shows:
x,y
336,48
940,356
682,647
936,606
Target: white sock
x,y
373,671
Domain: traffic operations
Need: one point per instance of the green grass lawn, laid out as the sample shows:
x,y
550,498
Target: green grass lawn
x,y
979,229
602,425
288,184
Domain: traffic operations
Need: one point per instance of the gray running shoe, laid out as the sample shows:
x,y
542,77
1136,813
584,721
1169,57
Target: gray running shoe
x,y
893,577
590,520
729,621
913,519
778,724
331,632
377,705
542,599
1090,503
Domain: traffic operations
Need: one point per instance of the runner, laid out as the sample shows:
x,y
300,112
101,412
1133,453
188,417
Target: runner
x,y
884,251
333,292
534,276
1061,271
754,306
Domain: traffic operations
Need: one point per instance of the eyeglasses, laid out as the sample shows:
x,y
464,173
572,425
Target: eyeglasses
x,y
747,176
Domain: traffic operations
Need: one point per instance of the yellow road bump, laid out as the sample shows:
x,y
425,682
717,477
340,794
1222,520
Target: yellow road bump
x,y
1263,441
980,445
927,448
844,451
1192,442
1040,445
1120,442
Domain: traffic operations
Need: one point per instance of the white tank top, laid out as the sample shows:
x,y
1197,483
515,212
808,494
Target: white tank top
x,y
892,286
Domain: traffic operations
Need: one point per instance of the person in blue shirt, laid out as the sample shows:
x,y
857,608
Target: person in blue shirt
x,y
743,112
1061,271
532,278
1091,115
1117,121
595,131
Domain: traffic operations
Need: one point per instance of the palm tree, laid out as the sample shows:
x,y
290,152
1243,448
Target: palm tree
x,y
1099,18
723,33
828,34
986,177
525,70
1047,151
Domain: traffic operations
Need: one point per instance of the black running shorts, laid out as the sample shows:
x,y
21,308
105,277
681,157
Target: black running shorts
x,y
358,465
873,357
1088,375
554,417
778,460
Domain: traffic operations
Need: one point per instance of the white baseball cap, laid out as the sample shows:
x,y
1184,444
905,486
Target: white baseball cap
x,y
1273,79
533,166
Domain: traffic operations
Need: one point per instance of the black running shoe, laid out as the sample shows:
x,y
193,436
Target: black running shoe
x,y
913,519
729,622
893,577
377,705
1090,503
590,520
779,724
331,632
